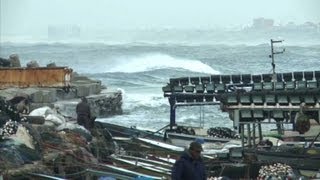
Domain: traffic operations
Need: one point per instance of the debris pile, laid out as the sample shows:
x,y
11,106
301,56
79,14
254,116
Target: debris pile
x,y
58,147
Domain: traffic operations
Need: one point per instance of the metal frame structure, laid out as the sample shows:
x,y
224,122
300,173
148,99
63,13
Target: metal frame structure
x,y
250,98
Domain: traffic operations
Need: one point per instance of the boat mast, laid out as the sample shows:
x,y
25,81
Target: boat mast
x,y
274,77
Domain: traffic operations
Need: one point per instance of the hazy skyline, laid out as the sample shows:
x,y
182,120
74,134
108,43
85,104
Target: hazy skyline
x,y
34,16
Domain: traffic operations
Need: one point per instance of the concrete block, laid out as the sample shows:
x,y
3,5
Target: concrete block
x,y
62,94
36,97
49,95
82,90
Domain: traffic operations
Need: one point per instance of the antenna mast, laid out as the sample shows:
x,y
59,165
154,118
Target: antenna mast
x,y
274,78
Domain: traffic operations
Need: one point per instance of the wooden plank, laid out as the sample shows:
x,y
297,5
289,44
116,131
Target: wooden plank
x,y
35,77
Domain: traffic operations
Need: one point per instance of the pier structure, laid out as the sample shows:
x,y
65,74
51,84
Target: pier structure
x,y
250,99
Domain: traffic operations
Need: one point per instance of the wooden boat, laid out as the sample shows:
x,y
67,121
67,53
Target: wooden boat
x,y
128,132
105,170
44,176
157,147
185,139
298,158
299,155
166,149
216,136
125,173
148,159
166,159
123,136
142,166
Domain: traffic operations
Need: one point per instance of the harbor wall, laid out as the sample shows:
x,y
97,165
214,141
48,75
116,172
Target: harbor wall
x,y
103,102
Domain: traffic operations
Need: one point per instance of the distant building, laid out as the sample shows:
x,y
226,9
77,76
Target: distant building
x,y
291,24
262,23
309,26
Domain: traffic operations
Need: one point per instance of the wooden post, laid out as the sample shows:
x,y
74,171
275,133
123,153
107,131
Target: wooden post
x,y
254,134
249,134
242,135
279,128
260,131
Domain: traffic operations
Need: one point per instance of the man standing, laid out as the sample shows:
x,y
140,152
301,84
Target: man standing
x,y
83,113
190,165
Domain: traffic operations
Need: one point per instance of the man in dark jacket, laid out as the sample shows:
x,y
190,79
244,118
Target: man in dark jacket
x,y
190,165
83,113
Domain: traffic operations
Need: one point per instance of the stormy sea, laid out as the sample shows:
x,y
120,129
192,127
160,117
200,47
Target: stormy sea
x,y
140,70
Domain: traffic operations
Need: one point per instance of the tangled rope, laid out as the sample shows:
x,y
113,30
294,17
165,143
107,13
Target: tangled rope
x,y
185,130
9,118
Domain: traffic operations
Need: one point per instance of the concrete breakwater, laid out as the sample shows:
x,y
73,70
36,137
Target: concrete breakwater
x,y
55,86
103,103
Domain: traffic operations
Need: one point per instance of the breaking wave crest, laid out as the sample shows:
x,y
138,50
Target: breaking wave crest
x,y
149,62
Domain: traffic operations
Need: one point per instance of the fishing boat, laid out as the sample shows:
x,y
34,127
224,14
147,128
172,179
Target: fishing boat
x,y
181,139
298,158
164,140
144,166
122,132
121,172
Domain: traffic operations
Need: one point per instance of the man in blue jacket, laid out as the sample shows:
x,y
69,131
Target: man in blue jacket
x,y
190,165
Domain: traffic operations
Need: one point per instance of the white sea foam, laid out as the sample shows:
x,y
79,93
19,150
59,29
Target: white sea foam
x,y
134,100
148,62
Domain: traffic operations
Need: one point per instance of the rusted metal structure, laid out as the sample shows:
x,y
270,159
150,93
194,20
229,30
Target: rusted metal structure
x,y
35,77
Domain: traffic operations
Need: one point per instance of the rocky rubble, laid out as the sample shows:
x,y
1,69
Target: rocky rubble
x,y
38,131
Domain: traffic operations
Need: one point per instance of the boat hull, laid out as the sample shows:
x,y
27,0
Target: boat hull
x,y
128,132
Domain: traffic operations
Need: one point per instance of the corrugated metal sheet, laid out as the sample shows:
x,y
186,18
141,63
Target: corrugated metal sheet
x,y
35,77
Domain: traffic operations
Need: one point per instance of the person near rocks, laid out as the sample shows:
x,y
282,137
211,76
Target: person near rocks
x,y
190,165
84,114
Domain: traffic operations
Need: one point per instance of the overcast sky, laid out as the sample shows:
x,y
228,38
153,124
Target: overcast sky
x,y
36,15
